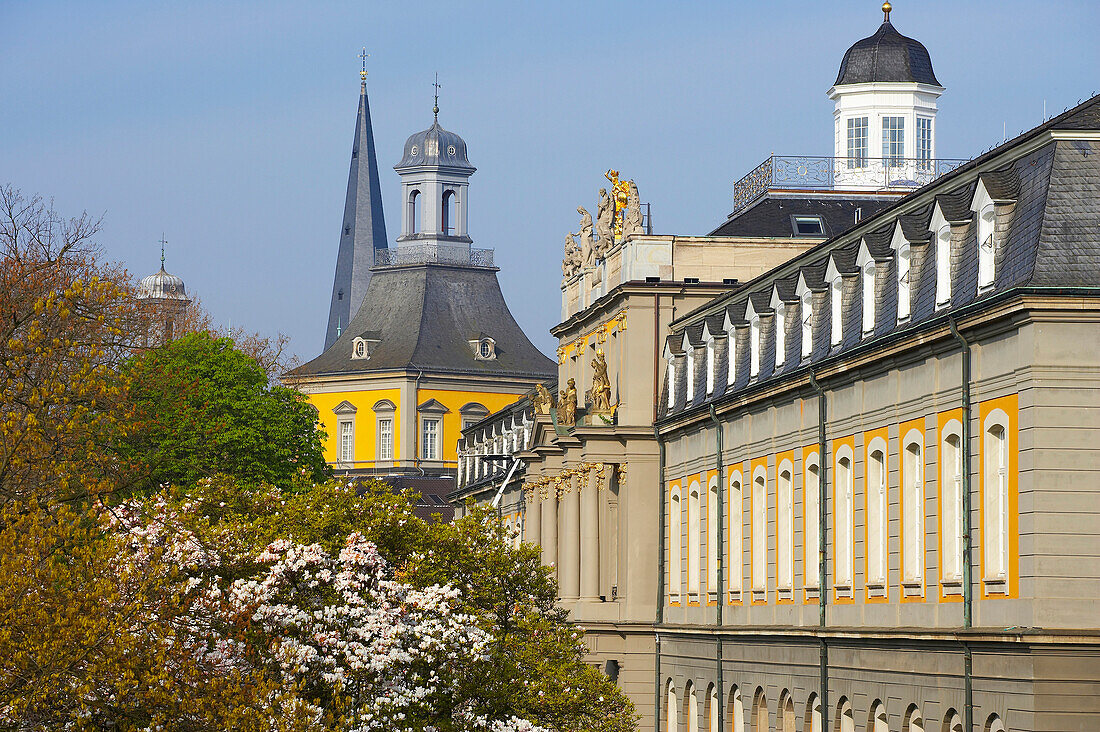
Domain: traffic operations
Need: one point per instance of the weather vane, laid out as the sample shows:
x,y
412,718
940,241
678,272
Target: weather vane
x,y
363,72
163,241
435,108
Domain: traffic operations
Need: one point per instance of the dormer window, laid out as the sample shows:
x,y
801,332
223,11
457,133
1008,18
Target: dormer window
x,y
808,226
690,373
805,316
361,347
754,346
867,273
987,244
836,302
484,348
942,232
710,365
780,333
904,289
671,381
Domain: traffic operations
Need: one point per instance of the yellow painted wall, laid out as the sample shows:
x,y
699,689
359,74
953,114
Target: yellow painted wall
x,y
365,420
452,420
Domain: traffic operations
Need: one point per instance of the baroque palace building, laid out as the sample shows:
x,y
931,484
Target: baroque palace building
x,y
832,466
420,342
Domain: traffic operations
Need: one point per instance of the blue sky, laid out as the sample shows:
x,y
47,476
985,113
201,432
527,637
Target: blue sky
x,y
228,126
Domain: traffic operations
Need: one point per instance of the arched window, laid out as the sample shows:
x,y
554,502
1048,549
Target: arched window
x,y
993,724
807,314
414,211
760,532
712,538
811,518
876,721
784,531
689,374
868,275
691,708
711,712
785,713
995,519
913,721
943,265
734,527
986,246
759,712
672,723
845,720
904,289
877,515
735,712
447,213
780,333
693,539
950,493
710,366
912,509
843,521
813,715
754,346
674,544
952,722
836,302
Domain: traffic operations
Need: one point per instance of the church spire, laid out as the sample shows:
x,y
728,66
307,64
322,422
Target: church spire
x,y
363,228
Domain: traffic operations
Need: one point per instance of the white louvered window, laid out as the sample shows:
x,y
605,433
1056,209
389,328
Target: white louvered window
x,y
986,247
807,316
843,521
912,509
784,532
734,529
710,366
868,275
780,333
754,346
943,266
674,545
904,296
811,506
877,517
760,531
693,539
671,382
836,302
995,519
712,537
951,474
690,373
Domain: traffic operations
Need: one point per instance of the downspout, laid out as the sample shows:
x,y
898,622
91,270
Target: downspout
x,y
660,580
822,545
968,597
718,446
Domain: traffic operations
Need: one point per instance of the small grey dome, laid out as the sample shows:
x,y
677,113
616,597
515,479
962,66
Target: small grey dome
x,y
161,286
435,147
886,56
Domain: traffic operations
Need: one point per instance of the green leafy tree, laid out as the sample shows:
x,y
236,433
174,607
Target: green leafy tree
x,y
204,408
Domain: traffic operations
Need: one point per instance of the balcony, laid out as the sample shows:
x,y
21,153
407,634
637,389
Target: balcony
x,y
433,254
805,172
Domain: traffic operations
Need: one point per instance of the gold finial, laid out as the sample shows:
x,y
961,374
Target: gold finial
x,y
363,72
886,12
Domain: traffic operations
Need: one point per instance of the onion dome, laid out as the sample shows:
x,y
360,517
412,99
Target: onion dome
x,y
437,148
162,286
886,56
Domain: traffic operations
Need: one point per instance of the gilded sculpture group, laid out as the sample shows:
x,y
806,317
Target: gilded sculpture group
x,y
618,215
600,396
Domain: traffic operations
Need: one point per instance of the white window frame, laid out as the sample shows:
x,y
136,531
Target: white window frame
x,y
712,537
780,333
876,487
694,538
996,520
345,430
675,544
784,530
384,448
805,318
912,511
754,346
867,270
735,576
671,376
950,490
983,206
836,304
430,448
710,364
924,144
844,520
689,373
893,141
858,142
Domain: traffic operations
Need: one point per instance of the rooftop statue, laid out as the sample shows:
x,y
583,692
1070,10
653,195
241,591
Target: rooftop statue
x,y
605,222
588,242
632,219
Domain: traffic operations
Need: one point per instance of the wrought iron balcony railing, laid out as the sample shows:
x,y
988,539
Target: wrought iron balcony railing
x,y
822,173
433,254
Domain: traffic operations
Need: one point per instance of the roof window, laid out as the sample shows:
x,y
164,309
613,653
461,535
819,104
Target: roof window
x,y
808,225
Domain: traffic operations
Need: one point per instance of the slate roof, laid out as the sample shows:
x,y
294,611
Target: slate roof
x,y
886,56
363,228
1049,207
771,215
435,147
423,317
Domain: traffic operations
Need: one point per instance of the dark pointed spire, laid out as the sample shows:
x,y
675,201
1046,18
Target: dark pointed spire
x,y
363,228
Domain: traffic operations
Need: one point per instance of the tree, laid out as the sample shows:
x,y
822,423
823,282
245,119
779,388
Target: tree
x,y
204,407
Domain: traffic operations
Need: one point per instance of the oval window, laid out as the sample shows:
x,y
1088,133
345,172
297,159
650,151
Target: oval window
x,y
486,349
360,349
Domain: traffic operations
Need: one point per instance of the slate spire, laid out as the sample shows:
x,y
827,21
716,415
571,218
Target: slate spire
x,y
363,229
